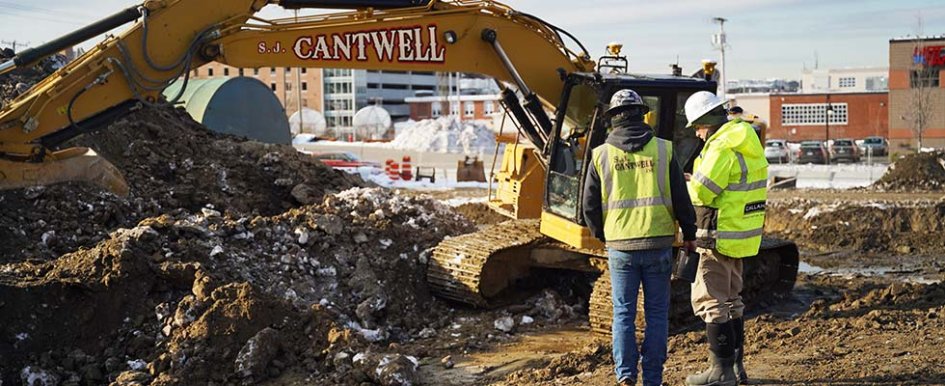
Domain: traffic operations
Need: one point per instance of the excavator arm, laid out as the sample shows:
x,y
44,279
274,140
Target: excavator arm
x,y
172,37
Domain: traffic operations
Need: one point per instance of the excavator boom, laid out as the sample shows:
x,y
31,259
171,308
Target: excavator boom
x,y
173,37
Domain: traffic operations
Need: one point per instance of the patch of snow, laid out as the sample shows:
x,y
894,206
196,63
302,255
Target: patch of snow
x,y
372,336
446,135
137,365
216,251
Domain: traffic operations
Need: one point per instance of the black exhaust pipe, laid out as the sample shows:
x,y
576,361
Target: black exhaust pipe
x,y
352,4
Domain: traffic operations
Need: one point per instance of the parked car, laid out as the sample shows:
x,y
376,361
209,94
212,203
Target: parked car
x,y
879,146
776,151
343,160
812,152
844,150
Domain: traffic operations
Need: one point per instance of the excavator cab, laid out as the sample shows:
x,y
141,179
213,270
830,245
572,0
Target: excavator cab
x,y
586,96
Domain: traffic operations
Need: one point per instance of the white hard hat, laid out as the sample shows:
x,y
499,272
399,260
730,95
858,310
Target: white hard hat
x,y
700,104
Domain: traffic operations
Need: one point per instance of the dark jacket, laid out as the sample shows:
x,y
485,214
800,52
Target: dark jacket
x,y
633,137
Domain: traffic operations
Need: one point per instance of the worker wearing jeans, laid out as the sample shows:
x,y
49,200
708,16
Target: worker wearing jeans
x,y
634,194
628,270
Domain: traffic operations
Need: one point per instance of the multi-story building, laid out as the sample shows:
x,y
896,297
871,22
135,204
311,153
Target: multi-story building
x,y
845,80
916,94
799,117
463,106
347,91
282,81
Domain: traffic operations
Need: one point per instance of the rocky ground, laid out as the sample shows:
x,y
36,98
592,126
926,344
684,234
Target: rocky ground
x,y
238,263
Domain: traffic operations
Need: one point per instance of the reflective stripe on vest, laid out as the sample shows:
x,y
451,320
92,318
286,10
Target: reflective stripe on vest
x,y
634,205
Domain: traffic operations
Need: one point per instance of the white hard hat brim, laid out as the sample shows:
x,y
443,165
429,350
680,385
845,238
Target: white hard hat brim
x,y
708,110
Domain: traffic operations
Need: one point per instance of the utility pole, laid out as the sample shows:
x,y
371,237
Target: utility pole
x,y
719,41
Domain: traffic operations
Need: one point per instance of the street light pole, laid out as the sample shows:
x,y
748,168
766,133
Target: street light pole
x,y
720,42
827,113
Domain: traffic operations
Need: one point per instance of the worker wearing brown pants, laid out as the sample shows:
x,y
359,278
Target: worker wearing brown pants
x,y
716,299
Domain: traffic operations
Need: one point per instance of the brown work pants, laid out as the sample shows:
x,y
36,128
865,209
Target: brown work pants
x,y
716,293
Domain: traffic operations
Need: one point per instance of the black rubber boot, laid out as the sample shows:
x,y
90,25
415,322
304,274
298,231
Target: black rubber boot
x,y
721,337
739,326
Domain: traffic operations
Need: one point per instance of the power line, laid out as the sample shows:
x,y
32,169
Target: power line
x,y
33,8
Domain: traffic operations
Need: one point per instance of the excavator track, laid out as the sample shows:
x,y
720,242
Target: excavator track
x,y
475,267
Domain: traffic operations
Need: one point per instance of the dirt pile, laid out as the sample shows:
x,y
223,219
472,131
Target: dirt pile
x,y
480,213
170,162
915,172
195,298
878,226
17,82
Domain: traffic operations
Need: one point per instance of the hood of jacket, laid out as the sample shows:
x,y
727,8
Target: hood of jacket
x,y
739,136
630,136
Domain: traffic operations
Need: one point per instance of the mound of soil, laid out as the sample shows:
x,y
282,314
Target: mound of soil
x,y
214,298
480,213
901,227
170,162
915,172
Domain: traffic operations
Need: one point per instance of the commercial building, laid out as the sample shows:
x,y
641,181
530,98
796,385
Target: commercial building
x,y
800,117
916,94
463,106
347,91
845,80
281,80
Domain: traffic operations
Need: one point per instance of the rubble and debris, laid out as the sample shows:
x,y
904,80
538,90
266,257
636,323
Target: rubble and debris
x,y
171,162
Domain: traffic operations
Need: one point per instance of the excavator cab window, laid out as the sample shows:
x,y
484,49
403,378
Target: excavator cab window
x,y
570,138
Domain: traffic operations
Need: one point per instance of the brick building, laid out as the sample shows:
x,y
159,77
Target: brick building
x,y
465,106
799,117
913,64
281,80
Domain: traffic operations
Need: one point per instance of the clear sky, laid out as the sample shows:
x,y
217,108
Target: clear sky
x,y
768,38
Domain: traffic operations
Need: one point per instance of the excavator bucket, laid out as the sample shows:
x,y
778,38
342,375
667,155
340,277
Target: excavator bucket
x,y
470,170
72,164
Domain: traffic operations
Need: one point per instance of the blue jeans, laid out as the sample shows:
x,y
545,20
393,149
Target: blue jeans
x,y
629,269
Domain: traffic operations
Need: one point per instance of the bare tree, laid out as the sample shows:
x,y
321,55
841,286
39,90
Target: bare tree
x,y
923,81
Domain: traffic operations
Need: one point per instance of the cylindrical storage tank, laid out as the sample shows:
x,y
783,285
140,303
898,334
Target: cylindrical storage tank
x,y
311,122
240,106
371,122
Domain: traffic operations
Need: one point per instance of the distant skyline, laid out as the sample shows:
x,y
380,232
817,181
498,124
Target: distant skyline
x,y
768,39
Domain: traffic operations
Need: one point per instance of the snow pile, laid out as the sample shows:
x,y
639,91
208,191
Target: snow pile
x,y
445,135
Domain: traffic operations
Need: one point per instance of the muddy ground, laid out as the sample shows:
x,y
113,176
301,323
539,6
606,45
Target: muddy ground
x,y
237,263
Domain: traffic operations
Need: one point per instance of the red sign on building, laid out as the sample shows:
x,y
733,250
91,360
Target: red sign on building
x,y
932,56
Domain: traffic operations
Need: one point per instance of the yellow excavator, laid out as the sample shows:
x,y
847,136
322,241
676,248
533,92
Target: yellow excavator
x,y
554,95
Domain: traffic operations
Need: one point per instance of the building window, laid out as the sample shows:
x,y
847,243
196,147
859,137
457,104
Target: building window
x,y
304,86
813,114
877,83
469,109
373,85
454,108
255,71
226,72
436,109
196,72
272,86
304,70
847,82
272,70
488,107
924,78
209,72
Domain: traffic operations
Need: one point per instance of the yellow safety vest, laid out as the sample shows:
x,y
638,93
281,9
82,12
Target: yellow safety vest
x,y
635,195
729,185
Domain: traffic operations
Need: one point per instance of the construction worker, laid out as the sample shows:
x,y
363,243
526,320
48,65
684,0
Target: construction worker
x,y
634,194
729,193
